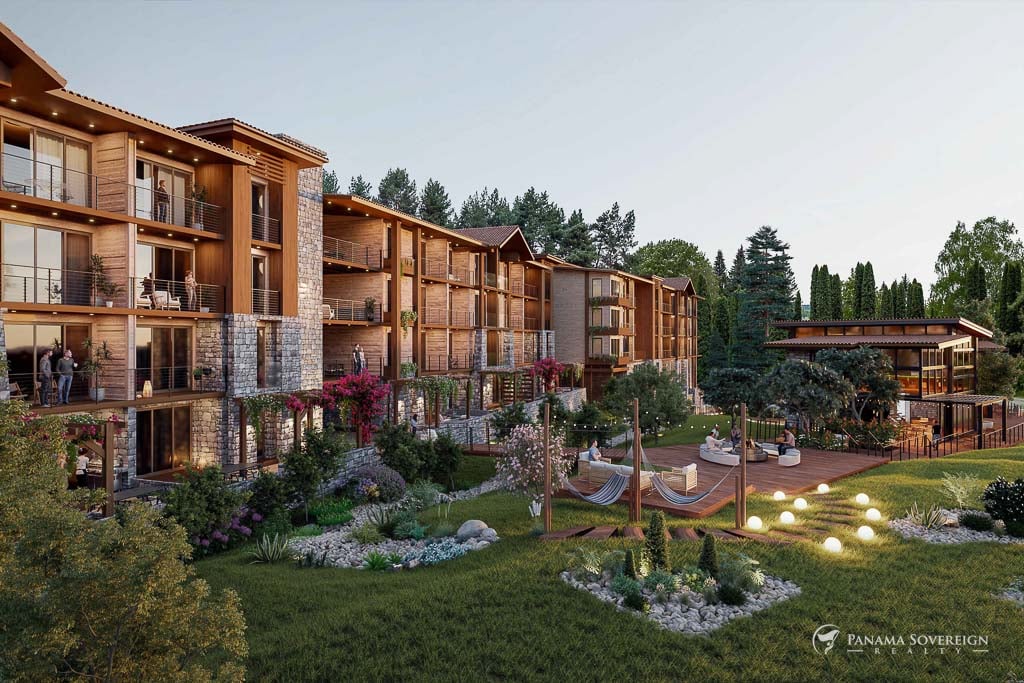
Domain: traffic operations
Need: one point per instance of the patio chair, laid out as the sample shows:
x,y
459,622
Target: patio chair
x,y
173,303
327,312
16,391
143,301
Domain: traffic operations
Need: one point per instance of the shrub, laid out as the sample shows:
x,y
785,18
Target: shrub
x,y
523,464
308,530
423,494
327,448
504,421
205,505
976,520
661,581
656,543
632,568
637,602
441,551
589,423
277,522
409,529
443,529
708,562
739,572
584,562
376,562
366,534
1005,500
614,561
446,455
693,578
331,511
932,518
961,487
709,590
401,451
623,585
268,494
391,520
312,559
389,483
731,595
269,549
302,476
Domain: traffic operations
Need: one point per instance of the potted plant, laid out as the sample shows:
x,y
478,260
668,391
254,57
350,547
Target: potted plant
x,y
97,356
407,319
98,273
110,290
371,308
197,377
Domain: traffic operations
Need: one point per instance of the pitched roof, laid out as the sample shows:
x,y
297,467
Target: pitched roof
x,y
963,323
677,282
852,340
226,123
491,235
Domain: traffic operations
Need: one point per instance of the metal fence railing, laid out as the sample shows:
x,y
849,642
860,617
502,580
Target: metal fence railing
x,y
346,309
266,229
353,252
266,302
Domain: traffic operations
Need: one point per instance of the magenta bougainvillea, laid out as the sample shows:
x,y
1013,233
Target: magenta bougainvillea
x,y
548,369
364,397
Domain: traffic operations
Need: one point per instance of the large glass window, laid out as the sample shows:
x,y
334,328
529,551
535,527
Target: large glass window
x,y
161,193
43,265
26,344
44,164
163,438
163,357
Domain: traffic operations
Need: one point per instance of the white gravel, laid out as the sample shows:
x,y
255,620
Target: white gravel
x,y
948,534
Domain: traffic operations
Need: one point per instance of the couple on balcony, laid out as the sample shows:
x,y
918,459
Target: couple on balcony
x,y
358,359
65,374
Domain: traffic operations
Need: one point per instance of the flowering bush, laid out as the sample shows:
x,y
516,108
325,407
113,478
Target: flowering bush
x,y
388,483
364,396
209,509
522,466
367,490
548,369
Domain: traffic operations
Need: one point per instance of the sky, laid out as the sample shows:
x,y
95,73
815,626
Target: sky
x,y
860,130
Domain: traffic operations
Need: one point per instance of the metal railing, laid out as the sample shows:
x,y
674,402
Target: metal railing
x,y
666,307
531,290
116,383
266,302
56,286
375,365
516,287
493,319
266,229
433,316
186,212
515,321
345,309
156,294
444,363
441,270
353,252
463,318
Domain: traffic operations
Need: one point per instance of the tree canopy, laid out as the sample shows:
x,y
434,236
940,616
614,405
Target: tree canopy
x,y
483,208
541,220
397,191
728,388
766,295
870,371
674,258
614,237
991,242
662,395
810,391
331,184
435,206
359,187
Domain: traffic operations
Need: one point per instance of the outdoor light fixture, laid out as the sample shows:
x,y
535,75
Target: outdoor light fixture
x,y
754,523
873,514
822,488
865,533
787,517
833,545
862,499
779,495
800,504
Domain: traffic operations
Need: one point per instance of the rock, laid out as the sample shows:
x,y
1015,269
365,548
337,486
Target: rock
x,y
470,529
489,535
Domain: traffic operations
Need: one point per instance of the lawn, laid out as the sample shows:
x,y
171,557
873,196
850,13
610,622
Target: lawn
x,y
696,429
503,613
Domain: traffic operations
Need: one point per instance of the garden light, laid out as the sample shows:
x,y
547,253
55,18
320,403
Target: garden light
x,y
865,533
787,517
873,515
754,523
833,545
779,495
822,488
862,499
800,504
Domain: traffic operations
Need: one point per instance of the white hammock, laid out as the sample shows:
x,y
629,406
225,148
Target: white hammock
x,y
606,495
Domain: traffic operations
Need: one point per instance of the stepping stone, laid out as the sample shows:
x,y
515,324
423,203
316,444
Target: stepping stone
x,y
685,533
633,532
566,533
600,532
751,536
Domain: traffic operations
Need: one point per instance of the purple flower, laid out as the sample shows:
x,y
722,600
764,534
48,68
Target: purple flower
x,y
245,530
257,517
205,542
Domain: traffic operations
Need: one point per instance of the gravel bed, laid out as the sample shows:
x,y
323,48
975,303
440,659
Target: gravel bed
x,y
951,533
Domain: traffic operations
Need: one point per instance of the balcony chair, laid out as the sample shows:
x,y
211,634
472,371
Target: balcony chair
x,y
327,312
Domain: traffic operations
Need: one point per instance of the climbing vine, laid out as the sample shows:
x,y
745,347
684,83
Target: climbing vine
x,y
255,406
408,318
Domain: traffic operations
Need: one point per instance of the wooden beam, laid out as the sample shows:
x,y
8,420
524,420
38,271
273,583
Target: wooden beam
x,y
396,304
108,468
243,433
290,240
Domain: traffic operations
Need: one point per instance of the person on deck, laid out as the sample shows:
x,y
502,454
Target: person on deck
x,y
736,435
66,370
788,441
45,378
713,443
594,453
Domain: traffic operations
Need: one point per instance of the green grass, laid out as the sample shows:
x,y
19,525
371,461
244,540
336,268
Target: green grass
x,y
473,470
503,613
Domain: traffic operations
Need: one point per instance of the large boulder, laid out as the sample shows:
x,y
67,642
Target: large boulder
x,y
489,535
470,529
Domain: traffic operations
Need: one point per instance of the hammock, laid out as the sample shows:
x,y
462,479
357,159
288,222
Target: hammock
x,y
666,491
606,495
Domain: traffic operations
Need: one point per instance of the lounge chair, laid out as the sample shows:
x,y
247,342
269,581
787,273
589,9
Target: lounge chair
x,y
327,312
599,472
721,456
791,458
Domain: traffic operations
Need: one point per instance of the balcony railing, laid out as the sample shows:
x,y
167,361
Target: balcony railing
x,y
266,302
666,307
445,363
172,295
494,280
54,286
186,212
441,270
516,287
463,318
353,252
433,316
266,229
116,384
515,321
357,311
493,319
375,365
531,290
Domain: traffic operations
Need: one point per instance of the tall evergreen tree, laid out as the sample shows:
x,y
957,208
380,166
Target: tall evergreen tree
x,y
798,307
541,220
915,300
577,246
868,296
1009,288
766,296
975,288
358,187
331,184
899,298
614,237
724,318
435,206
858,290
815,293
721,271
739,262
483,208
700,285
397,191
885,303
835,298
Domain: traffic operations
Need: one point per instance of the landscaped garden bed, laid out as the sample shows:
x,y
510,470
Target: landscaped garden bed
x,y
952,531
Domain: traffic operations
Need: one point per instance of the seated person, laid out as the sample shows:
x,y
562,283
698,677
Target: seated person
x,y
788,441
736,435
712,443
593,453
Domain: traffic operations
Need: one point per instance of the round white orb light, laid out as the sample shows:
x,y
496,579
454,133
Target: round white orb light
x,y
865,533
873,514
862,499
779,495
822,488
787,517
832,544
754,522
800,504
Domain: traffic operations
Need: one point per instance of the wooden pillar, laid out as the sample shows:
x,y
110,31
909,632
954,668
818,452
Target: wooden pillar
x,y
635,512
108,468
547,468
418,352
1003,427
741,499
243,433
395,350
978,426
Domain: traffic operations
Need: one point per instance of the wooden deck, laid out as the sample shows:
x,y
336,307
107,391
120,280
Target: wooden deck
x,y
764,477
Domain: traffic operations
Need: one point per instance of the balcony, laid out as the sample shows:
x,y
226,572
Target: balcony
x,y
437,317
667,307
531,290
515,321
620,330
494,280
493,319
172,295
462,318
443,363
352,311
266,302
612,298
375,365
531,323
442,270
609,359
516,287
266,229
353,252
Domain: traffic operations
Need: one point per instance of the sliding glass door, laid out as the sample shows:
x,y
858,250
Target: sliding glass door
x,y
163,357
44,164
166,203
163,439
45,265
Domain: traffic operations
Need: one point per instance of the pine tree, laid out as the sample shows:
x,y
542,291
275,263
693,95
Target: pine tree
x,y
708,561
331,184
435,206
484,208
766,296
357,187
614,237
739,262
397,191
915,300
798,307
868,296
541,220
721,271
835,298
723,318
815,293
700,285
885,303
577,246
656,542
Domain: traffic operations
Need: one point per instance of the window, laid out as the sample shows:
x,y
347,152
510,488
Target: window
x,y
163,439
908,358
595,317
163,357
616,344
596,346
27,342
166,203
166,267
596,288
43,265
44,164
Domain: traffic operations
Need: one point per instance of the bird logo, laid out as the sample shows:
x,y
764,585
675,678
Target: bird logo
x,y
824,638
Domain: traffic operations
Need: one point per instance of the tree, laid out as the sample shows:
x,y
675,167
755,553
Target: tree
x,y
721,271
728,388
577,246
703,322
975,288
809,390
991,242
674,258
998,373
397,191
816,293
435,206
656,542
485,208
358,187
331,184
708,560
798,307
849,295
739,262
614,237
1009,289
541,220
835,298
662,395
522,465
766,295
868,295
856,303
870,371
885,311
110,600
899,298
915,300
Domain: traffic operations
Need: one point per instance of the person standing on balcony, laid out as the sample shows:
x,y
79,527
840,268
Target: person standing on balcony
x,y
66,370
356,367
163,201
190,289
362,358
45,379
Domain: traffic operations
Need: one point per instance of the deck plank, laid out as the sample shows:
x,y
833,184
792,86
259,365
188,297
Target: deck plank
x,y
600,533
566,533
685,533
762,538
633,532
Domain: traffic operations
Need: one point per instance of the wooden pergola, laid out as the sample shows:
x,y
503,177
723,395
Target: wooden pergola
x,y
976,401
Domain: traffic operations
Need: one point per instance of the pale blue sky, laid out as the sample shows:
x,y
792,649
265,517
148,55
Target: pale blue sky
x,y
859,130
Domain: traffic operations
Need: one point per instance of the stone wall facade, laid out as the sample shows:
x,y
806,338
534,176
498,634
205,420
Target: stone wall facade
x,y
476,428
311,286
5,387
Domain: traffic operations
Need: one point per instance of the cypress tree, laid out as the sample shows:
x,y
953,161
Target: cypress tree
x,y
885,303
868,300
815,292
1011,323
915,300
633,569
899,298
656,543
708,561
703,323
836,297
858,283
798,307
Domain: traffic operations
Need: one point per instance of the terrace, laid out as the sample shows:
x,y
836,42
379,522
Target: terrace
x,y
352,255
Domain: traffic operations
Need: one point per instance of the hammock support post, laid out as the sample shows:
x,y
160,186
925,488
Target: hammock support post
x,y
741,499
635,512
547,468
